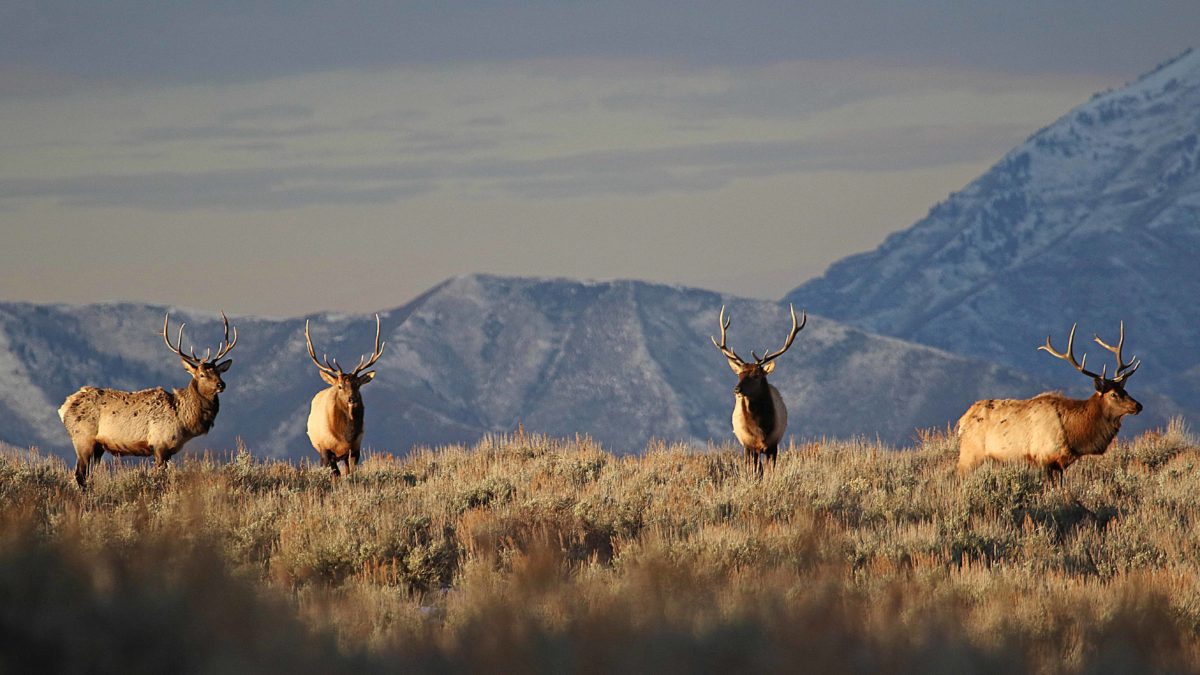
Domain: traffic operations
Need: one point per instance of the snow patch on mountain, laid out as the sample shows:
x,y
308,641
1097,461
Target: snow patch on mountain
x,y
1094,219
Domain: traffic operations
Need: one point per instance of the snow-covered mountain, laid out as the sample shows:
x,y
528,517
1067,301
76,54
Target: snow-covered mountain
x,y
624,362
1094,219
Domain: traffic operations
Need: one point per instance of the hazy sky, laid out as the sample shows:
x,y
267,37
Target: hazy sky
x,y
289,157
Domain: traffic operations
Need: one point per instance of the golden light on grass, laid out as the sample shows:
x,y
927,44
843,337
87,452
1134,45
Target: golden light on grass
x,y
527,553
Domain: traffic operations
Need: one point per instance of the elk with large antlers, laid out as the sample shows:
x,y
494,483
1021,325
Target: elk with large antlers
x,y
335,421
151,422
1050,430
759,416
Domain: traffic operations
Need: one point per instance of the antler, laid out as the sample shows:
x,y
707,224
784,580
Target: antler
x,y
729,353
374,355
313,354
226,346
336,369
191,357
1124,370
1070,355
796,328
178,348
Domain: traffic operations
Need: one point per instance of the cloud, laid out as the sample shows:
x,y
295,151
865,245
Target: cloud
x,y
225,132
247,189
143,40
271,111
389,120
487,121
629,171
537,132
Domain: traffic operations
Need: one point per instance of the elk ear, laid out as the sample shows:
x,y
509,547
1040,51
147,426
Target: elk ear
x,y
188,366
327,377
224,366
365,378
1101,384
768,367
734,366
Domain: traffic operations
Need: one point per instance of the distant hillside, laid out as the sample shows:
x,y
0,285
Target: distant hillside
x,y
1094,219
623,362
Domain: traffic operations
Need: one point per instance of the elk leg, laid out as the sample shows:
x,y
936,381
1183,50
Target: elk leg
x,y
329,460
772,453
1054,474
351,461
85,454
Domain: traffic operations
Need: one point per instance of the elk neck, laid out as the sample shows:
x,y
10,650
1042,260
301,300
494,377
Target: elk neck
x,y
1087,425
196,412
346,414
761,408
354,413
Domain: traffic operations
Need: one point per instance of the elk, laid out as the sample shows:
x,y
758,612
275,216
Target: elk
x,y
759,416
1050,430
151,422
335,421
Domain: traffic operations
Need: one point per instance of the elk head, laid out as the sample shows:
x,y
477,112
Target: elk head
x,y
752,376
1111,391
346,384
205,372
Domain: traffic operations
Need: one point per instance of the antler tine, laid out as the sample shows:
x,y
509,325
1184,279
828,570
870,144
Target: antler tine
x,y
729,353
313,354
1125,375
796,328
378,351
1070,355
178,347
226,345
1123,370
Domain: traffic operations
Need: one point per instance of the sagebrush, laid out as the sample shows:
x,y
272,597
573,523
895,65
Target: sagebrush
x,y
528,554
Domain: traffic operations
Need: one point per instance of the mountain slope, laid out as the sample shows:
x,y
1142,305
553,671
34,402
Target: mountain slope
x,y
623,362
1094,219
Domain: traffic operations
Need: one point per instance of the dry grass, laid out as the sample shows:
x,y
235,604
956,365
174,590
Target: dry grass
x,y
528,554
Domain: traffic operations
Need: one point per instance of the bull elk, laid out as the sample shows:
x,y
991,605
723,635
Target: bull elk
x,y
151,422
1050,430
759,416
335,421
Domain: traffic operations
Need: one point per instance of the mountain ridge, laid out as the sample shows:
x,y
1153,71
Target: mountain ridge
x,y
624,362
1093,219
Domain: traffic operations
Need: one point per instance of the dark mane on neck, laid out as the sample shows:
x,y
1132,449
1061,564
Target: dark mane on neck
x,y
1087,429
762,409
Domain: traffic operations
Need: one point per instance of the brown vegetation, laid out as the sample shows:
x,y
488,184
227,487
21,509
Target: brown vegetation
x,y
526,554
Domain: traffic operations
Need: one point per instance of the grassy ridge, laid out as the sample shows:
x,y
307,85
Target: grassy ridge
x,y
530,554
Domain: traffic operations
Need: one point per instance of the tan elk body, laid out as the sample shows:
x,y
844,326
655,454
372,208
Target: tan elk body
x,y
1050,430
759,415
151,422
335,419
